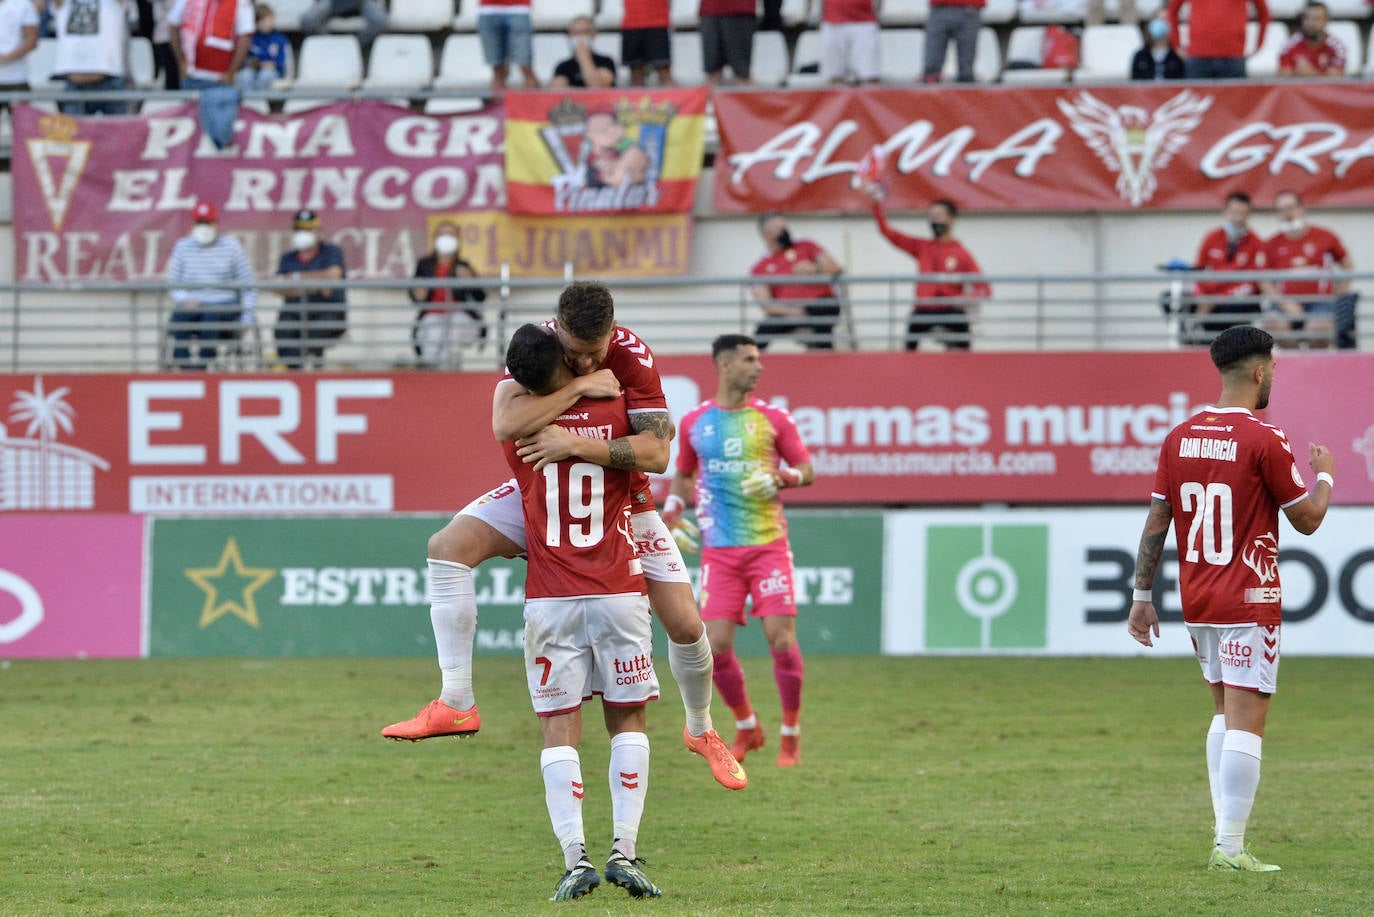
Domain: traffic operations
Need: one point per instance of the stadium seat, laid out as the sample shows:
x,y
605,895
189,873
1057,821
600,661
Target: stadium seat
x,y
1285,9
999,12
453,105
419,15
801,12
550,49
1041,12
684,16
1348,34
987,58
687,59
1348,9
806,56
400,62
769,64
1105,53
140,62
903,53
288,13
298,104
159,106
903,12
1146,9
1026,46
1264,61
609,15
461,65
465,20
329,62
554,15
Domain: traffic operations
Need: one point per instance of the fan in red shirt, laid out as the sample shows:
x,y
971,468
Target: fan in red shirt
x,y
1306,305
1216,36
1232,246
646,41
1312,52
810,306
942,306
1223,476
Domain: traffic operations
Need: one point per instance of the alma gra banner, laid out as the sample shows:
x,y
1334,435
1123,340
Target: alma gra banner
x,y
604,152
1065,428
1163,146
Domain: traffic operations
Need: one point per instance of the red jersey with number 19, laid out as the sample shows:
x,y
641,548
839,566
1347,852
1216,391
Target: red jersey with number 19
x,y
577,514
1225,474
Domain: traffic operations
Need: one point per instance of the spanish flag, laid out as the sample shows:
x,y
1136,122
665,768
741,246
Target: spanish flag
x,y
604,152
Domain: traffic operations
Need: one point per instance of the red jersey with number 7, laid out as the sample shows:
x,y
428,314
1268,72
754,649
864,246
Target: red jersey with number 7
x,y
1225,475
577,514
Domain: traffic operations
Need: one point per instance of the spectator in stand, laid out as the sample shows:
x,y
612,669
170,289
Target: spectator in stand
x,y
164,59
941,310
957,21
1157,60
1232,246
1305,309
92,37
314,20
1126,12
507,35
1216,36
444,325
809,305
727,38
849,41
267,51
646,41
303,327
205,310
1312,52
210,40
18,36
585,69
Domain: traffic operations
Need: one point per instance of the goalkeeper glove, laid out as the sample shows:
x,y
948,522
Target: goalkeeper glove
x,y
687,536
761,485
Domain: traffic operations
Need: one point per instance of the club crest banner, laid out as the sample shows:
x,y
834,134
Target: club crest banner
x,y
598,153
1157,146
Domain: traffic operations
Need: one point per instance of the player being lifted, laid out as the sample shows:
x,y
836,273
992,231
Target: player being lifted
x,y
587,627
1223,477
604,360
728,457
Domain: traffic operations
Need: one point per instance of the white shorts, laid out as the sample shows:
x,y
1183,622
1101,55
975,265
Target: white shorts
x,y
577,647
1244,656
501,509
850,48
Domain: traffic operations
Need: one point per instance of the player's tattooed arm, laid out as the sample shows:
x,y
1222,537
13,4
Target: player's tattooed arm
x,y
1152,544
642,451
622,454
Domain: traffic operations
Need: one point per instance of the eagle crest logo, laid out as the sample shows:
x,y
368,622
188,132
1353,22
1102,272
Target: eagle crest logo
x,y
1262,556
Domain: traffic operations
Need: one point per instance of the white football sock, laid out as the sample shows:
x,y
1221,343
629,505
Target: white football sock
x,y
1215,735
629,787
749,723
691,666
1240,776
563,795
453,615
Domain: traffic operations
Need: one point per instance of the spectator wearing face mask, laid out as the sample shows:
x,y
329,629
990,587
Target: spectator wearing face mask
x,y
1306,306
586,69
810,305
1157,60
310,317
443,324
942,308
1232,246
1313,52
204,310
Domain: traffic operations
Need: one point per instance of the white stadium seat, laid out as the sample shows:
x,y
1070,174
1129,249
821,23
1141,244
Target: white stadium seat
x,y
806,56
1046,11
329,62
999,12
1347,9
400,62
687,59
461,65
1026,45
1264,61
903,12
452,105
609,14
903,52
550,49
419,15
1284,9
288,13
40,62
465,20
1348,34
684,15
1105,53
141,65
554,15
768,66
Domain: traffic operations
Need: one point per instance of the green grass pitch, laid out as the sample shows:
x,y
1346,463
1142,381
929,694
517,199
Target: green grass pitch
x,y
927,786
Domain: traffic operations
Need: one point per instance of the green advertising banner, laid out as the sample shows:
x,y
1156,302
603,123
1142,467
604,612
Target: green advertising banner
x,y
986,587
356,586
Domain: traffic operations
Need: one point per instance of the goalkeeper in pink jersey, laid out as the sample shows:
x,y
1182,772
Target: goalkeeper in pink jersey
x,y
730,458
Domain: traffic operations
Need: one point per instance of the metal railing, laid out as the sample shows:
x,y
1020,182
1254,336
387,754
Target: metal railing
x,y
117,327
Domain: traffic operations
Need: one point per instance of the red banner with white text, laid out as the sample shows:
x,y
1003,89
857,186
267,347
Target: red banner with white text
x,y
882,429
1162,146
